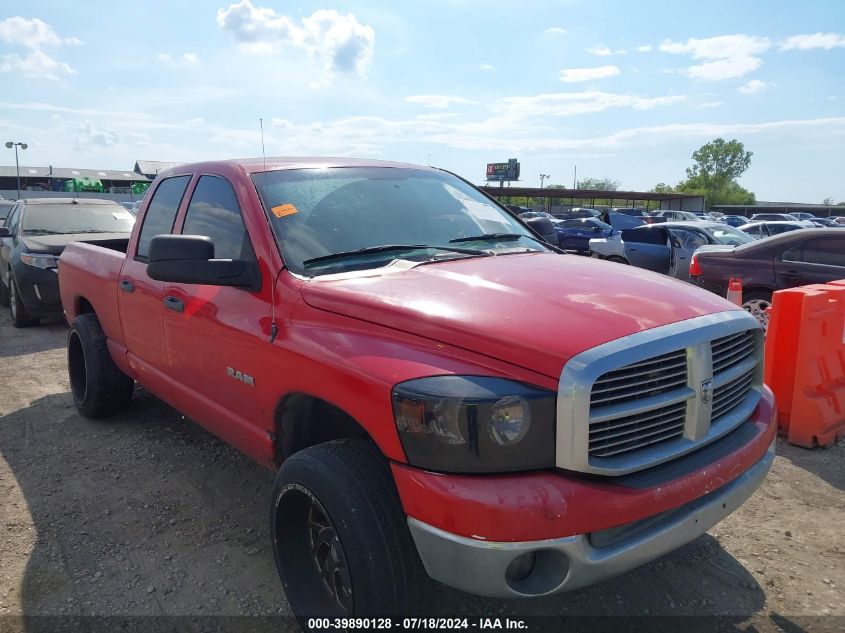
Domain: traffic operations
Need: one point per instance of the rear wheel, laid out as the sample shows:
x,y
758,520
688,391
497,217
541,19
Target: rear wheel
x,y
98,386
20,317
340,538
756,303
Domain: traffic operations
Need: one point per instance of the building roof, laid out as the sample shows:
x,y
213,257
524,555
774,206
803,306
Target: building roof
x,y
582,194
9,171
153,167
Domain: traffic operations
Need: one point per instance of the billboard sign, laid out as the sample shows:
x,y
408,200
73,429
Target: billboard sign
x,y
503,171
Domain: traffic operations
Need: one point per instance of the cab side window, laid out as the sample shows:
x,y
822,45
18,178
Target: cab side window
x,y
827,251
13,220
214,212
161,212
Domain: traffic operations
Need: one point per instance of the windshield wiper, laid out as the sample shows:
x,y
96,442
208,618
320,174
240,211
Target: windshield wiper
x,y
497,237
41,232
391,247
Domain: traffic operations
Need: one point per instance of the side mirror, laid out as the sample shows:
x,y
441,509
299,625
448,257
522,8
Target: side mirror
x,y
5,232
596,229
189,259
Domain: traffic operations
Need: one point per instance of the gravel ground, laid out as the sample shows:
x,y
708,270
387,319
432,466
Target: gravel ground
x,y
149,515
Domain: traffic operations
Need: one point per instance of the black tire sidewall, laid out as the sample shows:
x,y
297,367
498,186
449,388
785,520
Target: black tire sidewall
x,y
108,390
365,510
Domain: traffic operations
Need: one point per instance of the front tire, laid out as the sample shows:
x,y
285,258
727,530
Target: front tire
x,y
20,317
98,386
4,292
340,538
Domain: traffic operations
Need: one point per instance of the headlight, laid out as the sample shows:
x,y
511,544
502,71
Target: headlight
x,y
40,261
475,424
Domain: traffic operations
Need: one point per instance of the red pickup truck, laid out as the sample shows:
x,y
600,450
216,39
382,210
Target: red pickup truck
x,y
440,394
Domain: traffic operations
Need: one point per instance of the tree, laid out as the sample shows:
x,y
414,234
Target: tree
x,y
828,201
662,187
718,163
599,184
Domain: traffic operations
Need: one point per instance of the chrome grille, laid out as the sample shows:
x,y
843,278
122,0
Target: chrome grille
x,y
641,380
633,432
658,394
732,350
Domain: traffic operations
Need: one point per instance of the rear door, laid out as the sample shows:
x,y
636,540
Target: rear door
x,y
684,242
140,298
647,247
215,341
816,260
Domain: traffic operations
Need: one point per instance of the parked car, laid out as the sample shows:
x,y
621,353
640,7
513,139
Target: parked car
x,y
676,215
539,214
795,258
438,393
826,222
611,247
578,212
839,219
773,217
544,227
519,210
802,215
759,230
734,220
35,234
5,209
132,207
575,235
667,248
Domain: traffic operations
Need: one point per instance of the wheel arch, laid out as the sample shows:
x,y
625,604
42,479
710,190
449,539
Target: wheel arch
x,y
302,420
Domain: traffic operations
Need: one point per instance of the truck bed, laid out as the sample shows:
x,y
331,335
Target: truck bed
x,y
88,278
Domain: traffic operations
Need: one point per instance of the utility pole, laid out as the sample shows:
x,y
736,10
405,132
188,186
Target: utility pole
x,y
10,145
575,178
542,178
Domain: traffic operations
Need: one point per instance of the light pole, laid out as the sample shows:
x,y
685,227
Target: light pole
x,y
10,145
542,178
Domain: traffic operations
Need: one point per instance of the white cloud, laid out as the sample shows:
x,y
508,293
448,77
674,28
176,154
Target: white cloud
x,y
89,135
814,40
723,56
184,58
573,75
36,65
709,104
485,67
752,87
645,48
601,50
438,101
33,35
574,103
341,41
555,30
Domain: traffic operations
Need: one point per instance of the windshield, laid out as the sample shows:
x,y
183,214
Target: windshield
x,y
729,235
55,219
333,220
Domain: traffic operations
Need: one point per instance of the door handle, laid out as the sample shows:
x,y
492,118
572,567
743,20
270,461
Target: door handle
x,y
172,303
127,286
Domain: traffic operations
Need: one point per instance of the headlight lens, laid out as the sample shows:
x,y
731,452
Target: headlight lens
x,y
475,424
40,261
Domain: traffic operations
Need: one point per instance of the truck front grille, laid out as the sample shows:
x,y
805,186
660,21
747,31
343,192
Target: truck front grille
x,y
670,394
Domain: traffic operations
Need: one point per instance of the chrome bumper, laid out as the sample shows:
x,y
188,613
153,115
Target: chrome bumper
x,y
481,567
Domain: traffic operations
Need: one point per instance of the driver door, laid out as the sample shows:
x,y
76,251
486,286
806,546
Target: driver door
x,y
646,247
683,243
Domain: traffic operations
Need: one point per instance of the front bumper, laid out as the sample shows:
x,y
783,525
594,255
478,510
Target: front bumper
x,y
39,290
482,567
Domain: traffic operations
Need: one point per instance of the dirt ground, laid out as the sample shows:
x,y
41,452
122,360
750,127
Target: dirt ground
x,y
148,514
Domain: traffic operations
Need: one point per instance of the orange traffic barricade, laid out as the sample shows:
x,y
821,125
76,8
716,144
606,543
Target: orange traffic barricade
x,y
805,362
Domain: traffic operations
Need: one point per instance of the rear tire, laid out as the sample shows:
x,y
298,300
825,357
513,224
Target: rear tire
x,y
755,303
98,386
20,317
336,514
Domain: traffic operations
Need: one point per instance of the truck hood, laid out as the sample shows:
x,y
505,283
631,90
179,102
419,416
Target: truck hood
x,y
55,244
532,310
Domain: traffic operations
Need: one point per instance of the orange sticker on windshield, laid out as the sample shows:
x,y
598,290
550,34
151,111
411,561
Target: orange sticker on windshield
x,y
284,209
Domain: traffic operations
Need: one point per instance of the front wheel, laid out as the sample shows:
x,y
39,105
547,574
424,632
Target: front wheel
x,y
340,538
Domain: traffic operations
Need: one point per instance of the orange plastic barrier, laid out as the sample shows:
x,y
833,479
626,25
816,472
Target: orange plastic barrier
x,y
805,362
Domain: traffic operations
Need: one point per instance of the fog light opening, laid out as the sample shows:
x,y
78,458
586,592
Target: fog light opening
x,y
538,572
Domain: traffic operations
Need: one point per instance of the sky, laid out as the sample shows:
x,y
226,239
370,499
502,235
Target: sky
x,y
622,90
